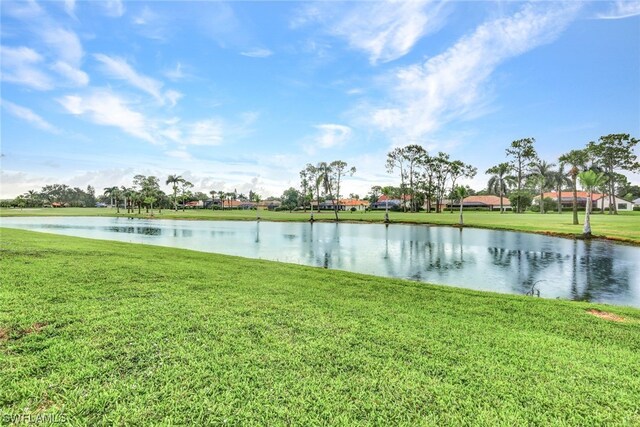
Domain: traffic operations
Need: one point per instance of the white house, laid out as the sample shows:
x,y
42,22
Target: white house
x,y
621,204
636,202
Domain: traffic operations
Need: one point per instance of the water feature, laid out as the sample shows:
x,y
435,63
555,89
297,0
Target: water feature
x,y
499,261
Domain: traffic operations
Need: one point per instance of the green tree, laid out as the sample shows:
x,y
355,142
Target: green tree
x,y
542,174
614,152
578,160
522,154
559,180
460,193
175,181
290,199
500,181
397,161
589,181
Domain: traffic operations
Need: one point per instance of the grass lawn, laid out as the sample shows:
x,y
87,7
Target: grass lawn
x,y
624,227
114,333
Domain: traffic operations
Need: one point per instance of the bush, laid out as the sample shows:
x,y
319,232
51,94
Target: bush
x,y
353,209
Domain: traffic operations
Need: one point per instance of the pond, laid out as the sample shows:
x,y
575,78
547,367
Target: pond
x,y
500,261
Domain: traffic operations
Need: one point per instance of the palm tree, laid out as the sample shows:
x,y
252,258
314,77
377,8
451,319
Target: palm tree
x,y
460,194
387,191
500,181
541,171
108,192
186,185
559,179
578,160
175,180
589,181
213,196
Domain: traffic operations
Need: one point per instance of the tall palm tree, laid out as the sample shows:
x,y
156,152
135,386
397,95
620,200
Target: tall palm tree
x,y
500,181
589,181
578,160
559,179
175,180
541,171
460,193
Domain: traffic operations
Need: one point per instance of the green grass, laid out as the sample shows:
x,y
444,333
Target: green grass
x,y
113,333
623,227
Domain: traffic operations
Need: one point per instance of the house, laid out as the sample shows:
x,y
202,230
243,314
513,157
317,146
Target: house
x,y
392,203
343,205
636,202
566,198
598,200
602,202
481,202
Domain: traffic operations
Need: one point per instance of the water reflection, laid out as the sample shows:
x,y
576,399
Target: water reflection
x,y
479,259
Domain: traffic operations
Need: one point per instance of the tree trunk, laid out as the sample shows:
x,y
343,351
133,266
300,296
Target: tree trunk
x,y
461,222
587,220
559,190
574,177
541,200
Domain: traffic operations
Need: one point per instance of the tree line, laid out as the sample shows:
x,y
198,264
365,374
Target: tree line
x,y
425,181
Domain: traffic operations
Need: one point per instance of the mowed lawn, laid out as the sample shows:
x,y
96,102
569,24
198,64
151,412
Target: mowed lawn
x,y
624,227
110,333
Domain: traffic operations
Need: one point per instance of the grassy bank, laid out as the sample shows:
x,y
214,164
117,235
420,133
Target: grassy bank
x,y
623,227
112,333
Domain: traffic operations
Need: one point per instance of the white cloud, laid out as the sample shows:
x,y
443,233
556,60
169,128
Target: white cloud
x,y
175,73
179,154
74,75
118,68
205,132
173,96
453,85
113,8
328,135
62,47
257,53
21,66
65,43
384,30
106,108
622,9
70,7
28,115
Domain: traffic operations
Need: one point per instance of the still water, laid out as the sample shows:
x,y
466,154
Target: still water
x,y
499,261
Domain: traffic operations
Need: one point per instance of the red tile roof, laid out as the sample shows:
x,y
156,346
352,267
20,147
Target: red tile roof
x,y
569,195
487,200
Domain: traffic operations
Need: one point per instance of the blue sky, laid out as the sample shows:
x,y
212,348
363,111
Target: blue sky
x,y
242,95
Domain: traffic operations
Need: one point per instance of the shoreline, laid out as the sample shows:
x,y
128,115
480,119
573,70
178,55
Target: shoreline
x,y
564,235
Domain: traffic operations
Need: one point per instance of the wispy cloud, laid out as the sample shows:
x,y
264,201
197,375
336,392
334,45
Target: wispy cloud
x,y
179,154
621,9
257,53
73,75
453,85
384,30
176,73
28,115
118,68
205,132
328,135
21,65
62,47
70,7
104,107
113,8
